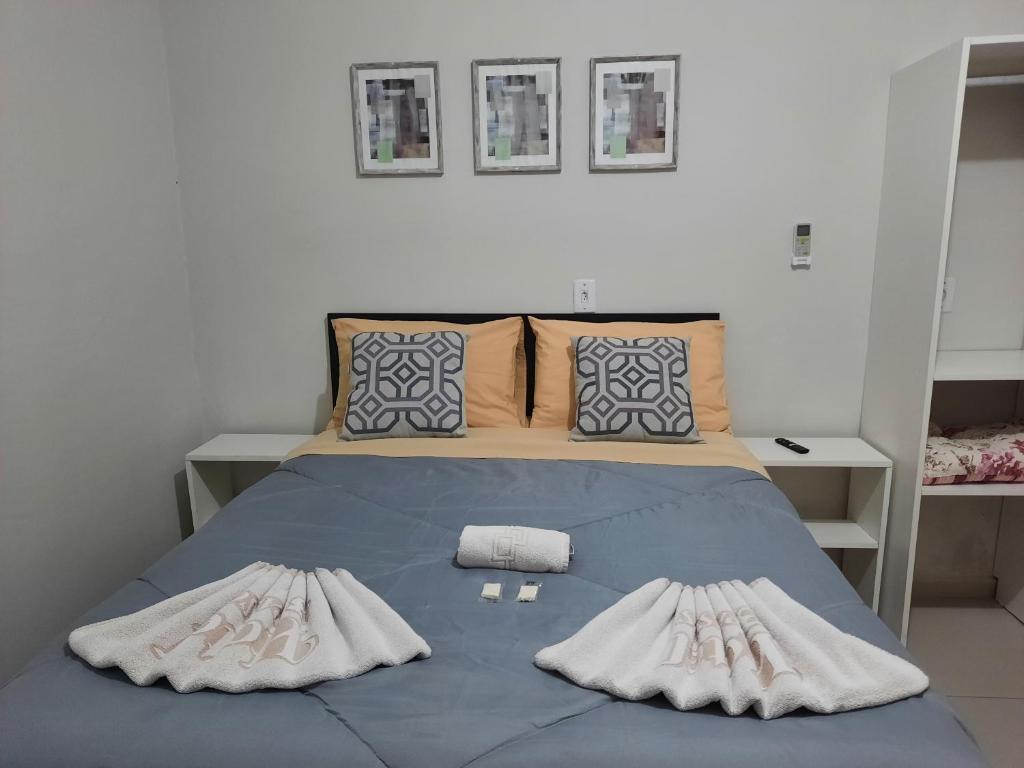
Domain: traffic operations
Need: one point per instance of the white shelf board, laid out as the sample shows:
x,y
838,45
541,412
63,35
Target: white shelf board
x,y
840,534
974,489
979,365
825,452
235,447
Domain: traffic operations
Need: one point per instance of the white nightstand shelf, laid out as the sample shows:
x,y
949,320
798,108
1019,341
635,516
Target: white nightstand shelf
x,y
861,535
840,534
209,467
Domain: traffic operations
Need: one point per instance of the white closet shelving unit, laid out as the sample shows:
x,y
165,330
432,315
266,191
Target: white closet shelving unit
x,y
952,205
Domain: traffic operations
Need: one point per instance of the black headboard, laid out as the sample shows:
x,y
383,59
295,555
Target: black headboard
x,y
531,342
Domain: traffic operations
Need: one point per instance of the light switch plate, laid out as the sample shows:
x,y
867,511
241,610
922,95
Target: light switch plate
x,y
584,295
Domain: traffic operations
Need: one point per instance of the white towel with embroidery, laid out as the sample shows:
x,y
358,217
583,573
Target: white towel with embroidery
x,y
513,548
730,643
265,626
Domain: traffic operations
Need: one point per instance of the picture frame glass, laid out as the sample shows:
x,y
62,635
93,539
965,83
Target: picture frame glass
x,y
634,116
517,113
398,123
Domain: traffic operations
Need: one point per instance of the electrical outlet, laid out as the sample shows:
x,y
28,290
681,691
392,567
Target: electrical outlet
x,y
584,295
948,292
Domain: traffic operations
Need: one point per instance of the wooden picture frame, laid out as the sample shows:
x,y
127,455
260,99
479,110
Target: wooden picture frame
x,y
632,125
396,119
517,115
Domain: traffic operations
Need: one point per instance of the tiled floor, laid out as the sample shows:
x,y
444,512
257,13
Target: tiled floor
x,y
973,651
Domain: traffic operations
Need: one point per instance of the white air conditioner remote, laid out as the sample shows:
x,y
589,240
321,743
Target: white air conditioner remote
x,y
801,245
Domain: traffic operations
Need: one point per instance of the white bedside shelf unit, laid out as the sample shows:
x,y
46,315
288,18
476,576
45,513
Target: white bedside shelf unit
x,y
862,534
208,467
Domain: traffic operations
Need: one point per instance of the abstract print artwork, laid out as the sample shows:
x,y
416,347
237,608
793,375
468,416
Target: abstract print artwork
x,y
633,113
517,115
396,119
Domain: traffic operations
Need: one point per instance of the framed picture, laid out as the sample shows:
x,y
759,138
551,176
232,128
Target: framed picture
x,y
397,119
634,113
517,115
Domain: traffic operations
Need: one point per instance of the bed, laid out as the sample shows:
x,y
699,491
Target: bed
x,y
392,514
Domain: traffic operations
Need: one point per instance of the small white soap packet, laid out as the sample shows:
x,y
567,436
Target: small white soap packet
x,y
528,592
491,591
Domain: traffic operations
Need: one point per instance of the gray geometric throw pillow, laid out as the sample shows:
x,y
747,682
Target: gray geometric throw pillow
x,y
633,390
407,385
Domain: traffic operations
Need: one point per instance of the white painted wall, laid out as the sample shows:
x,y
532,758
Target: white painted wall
x,y
98,386
782,118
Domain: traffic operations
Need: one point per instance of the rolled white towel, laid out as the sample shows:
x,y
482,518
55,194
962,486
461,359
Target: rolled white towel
x,y
513,548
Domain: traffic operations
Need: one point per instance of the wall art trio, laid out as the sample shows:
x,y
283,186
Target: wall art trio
x,y
517,116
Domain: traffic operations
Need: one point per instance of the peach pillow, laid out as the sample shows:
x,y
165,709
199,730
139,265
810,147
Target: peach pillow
x,y
554,401
495,366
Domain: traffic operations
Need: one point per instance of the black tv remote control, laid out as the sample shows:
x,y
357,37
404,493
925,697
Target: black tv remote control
x,y
795,447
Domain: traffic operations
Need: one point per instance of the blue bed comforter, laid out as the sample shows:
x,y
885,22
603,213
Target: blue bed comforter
x,y
480,701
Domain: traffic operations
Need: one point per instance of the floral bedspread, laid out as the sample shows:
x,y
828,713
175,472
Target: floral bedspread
x,y
990,454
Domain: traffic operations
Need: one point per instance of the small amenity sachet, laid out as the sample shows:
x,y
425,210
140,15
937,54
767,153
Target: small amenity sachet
x,y
728,642
265,626
513,548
